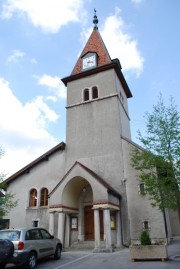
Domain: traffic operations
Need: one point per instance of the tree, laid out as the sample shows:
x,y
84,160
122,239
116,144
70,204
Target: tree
x,y
158,162
6,199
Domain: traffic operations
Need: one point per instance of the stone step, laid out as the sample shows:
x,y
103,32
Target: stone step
x,y
82,245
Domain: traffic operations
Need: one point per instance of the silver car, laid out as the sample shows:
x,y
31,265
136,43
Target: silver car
x,y
26,246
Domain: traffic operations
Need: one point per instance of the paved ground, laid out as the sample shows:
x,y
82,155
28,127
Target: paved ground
x,y
116,260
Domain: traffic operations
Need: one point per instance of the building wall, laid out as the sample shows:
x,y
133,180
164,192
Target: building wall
x,y
105,81
123,110
174,222
139,206
46,174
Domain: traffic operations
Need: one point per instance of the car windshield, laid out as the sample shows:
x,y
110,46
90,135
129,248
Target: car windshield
x,y
11,235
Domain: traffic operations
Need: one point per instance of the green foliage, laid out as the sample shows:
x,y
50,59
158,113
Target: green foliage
x,y
158,162
6,203
6,199
144,238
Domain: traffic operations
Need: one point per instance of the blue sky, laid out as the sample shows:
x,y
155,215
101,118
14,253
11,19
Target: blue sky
x,y
40,41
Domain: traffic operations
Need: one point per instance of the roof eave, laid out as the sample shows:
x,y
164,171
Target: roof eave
x,y
44,157
115,64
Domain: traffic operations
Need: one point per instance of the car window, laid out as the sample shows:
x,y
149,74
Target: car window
x,y
33,234
11,235
45,234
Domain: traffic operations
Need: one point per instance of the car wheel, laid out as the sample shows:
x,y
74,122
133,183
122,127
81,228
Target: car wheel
x,y
2,265
7,249
31,261
57,254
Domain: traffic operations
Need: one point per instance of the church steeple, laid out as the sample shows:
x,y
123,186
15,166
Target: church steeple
x,y
94,59
94,45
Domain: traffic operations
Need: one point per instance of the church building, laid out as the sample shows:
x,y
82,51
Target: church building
x,y
86,189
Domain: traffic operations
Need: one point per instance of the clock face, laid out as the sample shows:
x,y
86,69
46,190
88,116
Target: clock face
x,y
89,62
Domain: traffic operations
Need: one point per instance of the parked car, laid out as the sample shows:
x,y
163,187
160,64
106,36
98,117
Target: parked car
x,y
26,246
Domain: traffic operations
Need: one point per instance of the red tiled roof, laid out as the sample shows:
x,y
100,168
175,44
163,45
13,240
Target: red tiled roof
x,y
94,44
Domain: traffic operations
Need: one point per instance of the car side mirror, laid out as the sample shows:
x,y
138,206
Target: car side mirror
x,y
52,236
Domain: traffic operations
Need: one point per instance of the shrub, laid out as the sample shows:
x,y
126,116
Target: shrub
x,y
145,239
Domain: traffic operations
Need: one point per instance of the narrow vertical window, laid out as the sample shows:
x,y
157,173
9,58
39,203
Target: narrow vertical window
x,y
33,198
44,197
86,94
94,92
141,189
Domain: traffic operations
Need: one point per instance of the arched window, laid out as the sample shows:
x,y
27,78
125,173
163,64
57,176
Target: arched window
x,y
33,198
86,94
94,92
44,197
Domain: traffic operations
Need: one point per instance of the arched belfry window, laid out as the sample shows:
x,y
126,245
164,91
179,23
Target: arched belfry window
x,y
94,92
44,197
86,94
33,198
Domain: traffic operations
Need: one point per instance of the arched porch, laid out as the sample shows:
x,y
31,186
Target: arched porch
x,y
87,210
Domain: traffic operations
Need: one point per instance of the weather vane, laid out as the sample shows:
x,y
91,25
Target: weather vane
x,y
95,20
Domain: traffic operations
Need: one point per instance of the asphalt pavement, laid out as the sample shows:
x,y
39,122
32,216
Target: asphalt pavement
x,y
120,259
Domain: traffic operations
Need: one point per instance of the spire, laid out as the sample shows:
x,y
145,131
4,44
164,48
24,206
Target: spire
x,y
95,20
96,45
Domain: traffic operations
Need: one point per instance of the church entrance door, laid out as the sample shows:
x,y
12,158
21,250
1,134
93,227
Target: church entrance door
x,y
89,223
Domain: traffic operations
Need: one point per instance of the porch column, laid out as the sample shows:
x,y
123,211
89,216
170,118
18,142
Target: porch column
x,y
107,228
67,231
61,221
81,220
118,228
51,223
96,228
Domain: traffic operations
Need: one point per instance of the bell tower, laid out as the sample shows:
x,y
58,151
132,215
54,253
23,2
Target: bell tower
x,y
97,107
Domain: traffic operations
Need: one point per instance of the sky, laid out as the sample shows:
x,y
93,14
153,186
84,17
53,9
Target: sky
x,y
40,41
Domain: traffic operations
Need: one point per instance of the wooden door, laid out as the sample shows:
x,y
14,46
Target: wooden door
x,y
89,223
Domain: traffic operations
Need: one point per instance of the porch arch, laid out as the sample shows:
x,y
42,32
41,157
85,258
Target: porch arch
x,y
73,191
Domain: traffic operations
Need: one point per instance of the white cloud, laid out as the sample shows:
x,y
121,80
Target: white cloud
x,y
24,134
52,98
54,84
121,45
15,56
49,15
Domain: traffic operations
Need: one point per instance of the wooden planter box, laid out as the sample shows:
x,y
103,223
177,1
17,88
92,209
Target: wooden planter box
x,y
151,252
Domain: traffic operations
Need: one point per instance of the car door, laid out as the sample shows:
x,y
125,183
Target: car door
x,y
47,243
33,241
